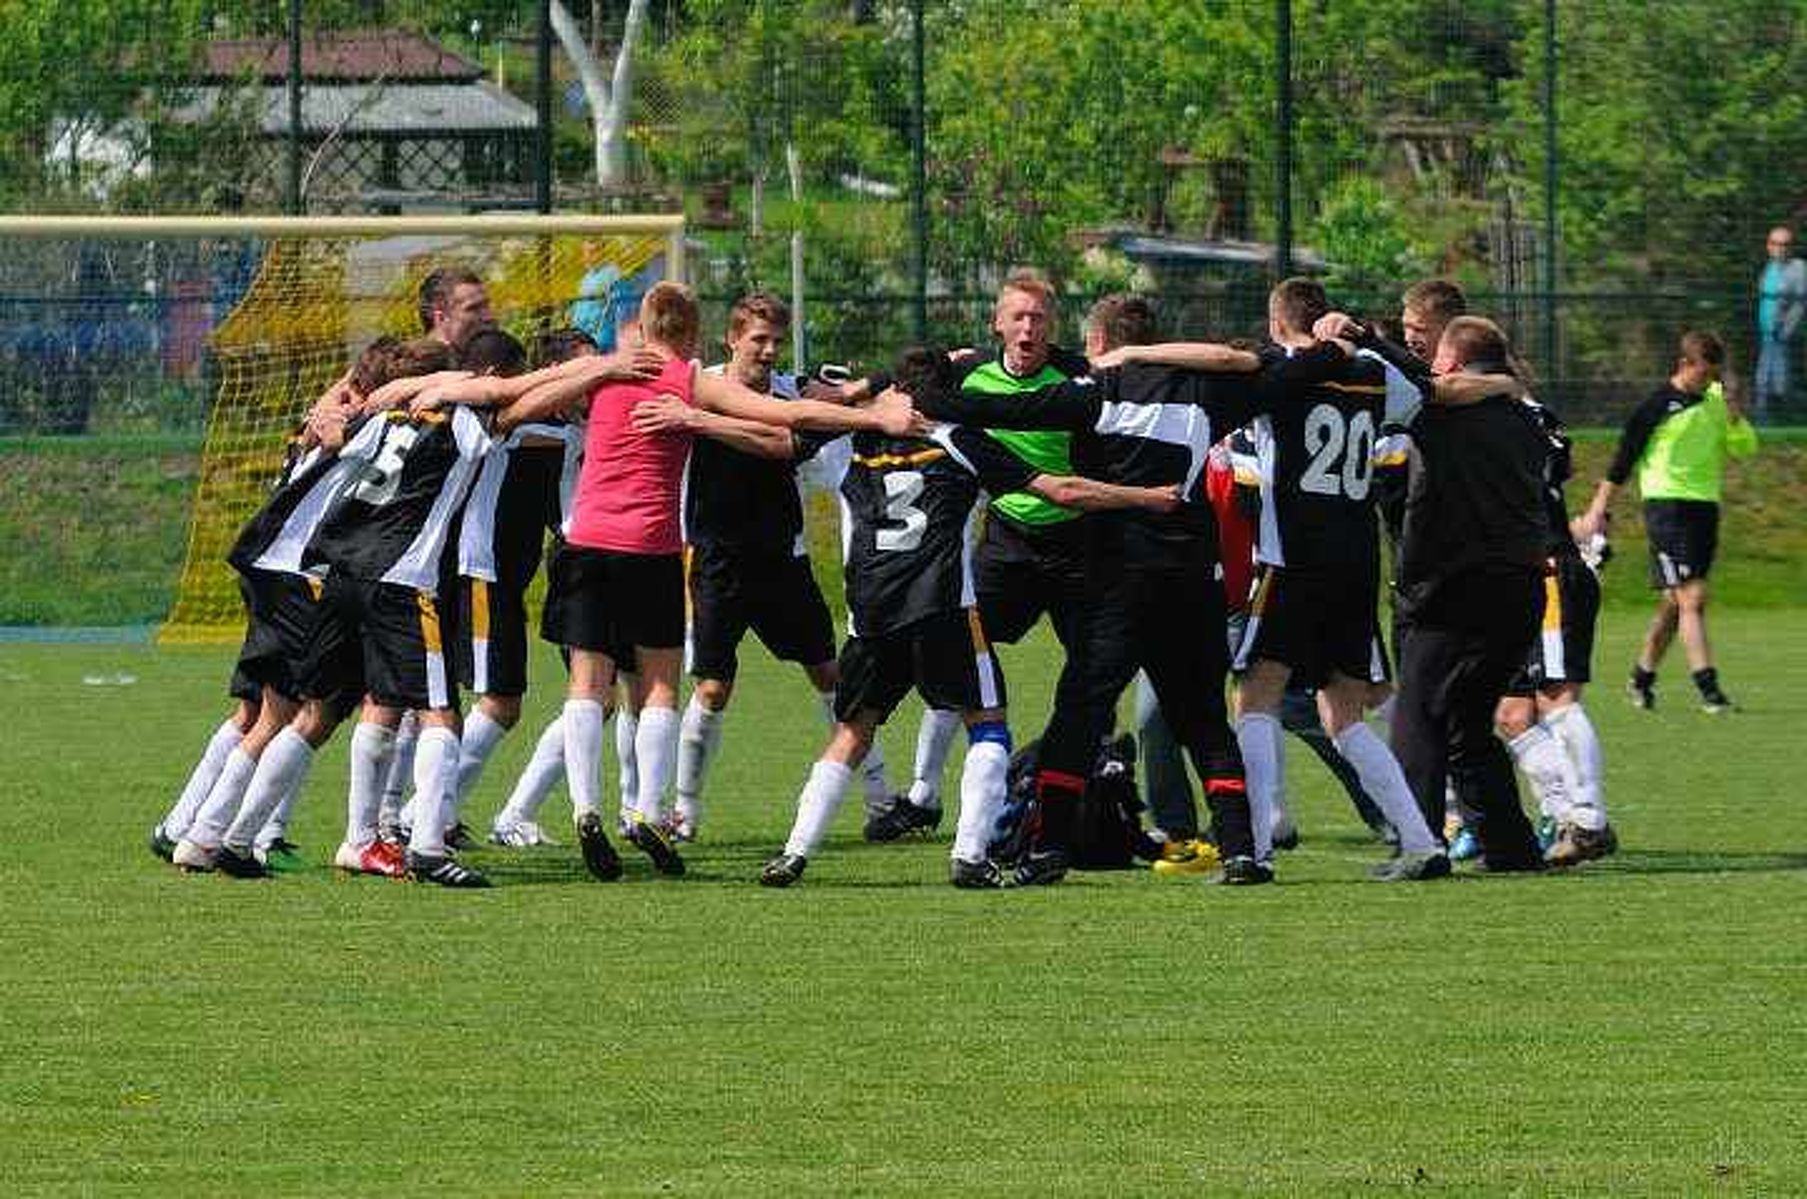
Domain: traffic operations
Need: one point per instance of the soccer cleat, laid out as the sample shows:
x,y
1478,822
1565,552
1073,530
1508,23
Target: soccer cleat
x,y
600,857
393,834
652,842
1286,833
1040,868
975,876
1641,695
1182,859
1716,703
282,856
782,870
901,819
231,862
680,829
161,845
1243,871
379,857
1412,868
1576,845
443,871
522,834
459,837
191,858
1464,846
1546,830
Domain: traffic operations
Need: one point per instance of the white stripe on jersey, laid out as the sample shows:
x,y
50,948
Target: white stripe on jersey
x,y
1403,398
418,567
1173,424
477,535
853,630
1268,547
285,550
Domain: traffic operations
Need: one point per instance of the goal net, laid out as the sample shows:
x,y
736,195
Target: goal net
x,y
270,311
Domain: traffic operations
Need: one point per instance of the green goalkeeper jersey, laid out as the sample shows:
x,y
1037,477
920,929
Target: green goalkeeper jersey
x,y
1678,444
1048,453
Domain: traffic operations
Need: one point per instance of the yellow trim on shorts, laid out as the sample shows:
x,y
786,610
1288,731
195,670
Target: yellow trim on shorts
x,y
429,622
981,644
1552,603
480,609
919,458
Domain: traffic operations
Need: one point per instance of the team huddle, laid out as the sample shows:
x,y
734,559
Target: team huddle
x,y
1196,514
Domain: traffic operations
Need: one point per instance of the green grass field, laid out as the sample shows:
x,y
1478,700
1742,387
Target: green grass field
x,y
1637,1026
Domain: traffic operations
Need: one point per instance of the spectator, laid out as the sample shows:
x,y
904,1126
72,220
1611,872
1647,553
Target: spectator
x,y
1781,299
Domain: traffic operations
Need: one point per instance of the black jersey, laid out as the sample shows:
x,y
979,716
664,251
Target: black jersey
x,y
1559,467
1316,443
414,472
302,470
514,501
739,501
906,512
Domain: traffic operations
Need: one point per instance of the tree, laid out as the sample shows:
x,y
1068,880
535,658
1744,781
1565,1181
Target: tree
x,y
611,99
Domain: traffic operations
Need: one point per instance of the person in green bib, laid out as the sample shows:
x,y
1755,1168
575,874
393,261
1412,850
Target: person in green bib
x,y
1030,558
1677,441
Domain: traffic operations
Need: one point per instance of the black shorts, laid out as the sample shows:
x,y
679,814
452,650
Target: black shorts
x,y
946,657
280,610
608,601
492,650
379,639
774,595
1020,572
1564,649
1684,537
1318,622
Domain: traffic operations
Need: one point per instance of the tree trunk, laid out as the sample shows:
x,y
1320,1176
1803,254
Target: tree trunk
x,y
609,99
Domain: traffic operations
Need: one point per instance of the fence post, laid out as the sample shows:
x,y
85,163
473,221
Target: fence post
x,y
542,95
1551,167
293,198
1283,148
919,173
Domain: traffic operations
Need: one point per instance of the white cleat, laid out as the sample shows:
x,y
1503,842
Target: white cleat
x,y
522,834
192,858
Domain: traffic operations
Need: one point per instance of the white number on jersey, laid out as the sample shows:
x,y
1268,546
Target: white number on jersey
x,y
383,476
902,489
1327,438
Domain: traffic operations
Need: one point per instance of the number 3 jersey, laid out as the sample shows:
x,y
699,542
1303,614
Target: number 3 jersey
x,y
391,522
1315,445
906,513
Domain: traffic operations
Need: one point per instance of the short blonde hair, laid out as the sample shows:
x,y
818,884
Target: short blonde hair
x,y
1029,281
669,316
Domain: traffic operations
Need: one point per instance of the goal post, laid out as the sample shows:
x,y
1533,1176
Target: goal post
x,y
260,314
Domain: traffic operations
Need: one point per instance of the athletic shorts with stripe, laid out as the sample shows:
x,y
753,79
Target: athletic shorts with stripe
x,y
380,639
1684,539
492,650
280,610
773,595
610,601
1316,622
1564,649
945,657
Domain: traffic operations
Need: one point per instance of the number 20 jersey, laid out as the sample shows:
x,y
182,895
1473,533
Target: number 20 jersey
x,y
1315,446
906,509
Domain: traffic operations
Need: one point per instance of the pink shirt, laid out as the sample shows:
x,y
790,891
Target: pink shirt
x,y
628,495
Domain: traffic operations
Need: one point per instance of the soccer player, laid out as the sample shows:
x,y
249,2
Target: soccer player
x,y
1031,553
1677,442
454,306
911,609
619,579
748,568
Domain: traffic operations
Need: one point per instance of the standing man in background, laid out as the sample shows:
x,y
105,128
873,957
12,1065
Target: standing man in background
x,y
1781,300
1677,441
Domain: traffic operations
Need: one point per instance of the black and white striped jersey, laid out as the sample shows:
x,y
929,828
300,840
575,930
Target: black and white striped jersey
x,y
1315,443
907,505
298,498
391,522
515,499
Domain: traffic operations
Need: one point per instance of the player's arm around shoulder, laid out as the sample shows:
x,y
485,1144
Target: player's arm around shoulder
x,y
1091,495
889,412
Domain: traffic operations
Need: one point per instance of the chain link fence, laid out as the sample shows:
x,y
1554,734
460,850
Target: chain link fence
x,y
1194,150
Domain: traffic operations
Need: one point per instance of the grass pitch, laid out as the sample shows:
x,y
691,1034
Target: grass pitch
x,y
1636,1026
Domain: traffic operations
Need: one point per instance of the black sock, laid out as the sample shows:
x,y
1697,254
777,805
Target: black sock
x,y
1708,682
1642,679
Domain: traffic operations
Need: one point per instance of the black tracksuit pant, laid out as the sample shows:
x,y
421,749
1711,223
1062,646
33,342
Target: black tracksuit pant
x,y
1458,653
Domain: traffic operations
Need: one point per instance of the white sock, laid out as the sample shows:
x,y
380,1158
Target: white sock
x,y
435,774
401,771
253,806
1547,767
1383,716
817,805
656,752
981,799
934,741
281,771
201,780
543,772
223,802
583,754
479,740
1576,732
699,737
373,750
276,828
627,735
1384,781
1264,765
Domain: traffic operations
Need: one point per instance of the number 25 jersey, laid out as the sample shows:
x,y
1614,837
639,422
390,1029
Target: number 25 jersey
x,y
906,510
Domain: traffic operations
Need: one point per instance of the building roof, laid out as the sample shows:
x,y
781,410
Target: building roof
x,y
346,56
380,110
